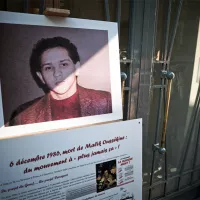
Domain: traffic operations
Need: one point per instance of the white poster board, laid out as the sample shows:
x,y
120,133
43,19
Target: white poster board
x,y
98,162
33,52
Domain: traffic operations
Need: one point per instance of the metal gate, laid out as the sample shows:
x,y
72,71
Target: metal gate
x,y
147,95
161,179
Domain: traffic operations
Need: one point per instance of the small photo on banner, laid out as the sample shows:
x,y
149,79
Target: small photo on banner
x,y
106,177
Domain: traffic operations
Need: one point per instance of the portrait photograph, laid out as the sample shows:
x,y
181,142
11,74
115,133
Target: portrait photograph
x,y
57,73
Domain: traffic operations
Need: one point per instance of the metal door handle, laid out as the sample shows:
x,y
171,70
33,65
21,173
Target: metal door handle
x,y
169,76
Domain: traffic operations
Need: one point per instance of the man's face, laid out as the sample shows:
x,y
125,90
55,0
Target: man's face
x,y
113,170
58,71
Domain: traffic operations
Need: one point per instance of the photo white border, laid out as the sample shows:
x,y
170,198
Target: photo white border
x,y
41,20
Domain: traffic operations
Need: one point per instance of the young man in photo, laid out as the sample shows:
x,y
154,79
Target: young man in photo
x,y
55,63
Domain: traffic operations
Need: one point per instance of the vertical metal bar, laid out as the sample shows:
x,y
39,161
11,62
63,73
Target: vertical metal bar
x,y
130,52
167,31
160,99
174,30
166,153
130,31
166,168
41,6
106,4
119,15
159,111
130,55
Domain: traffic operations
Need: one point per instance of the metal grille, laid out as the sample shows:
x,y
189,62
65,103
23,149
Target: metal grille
x,y
141,58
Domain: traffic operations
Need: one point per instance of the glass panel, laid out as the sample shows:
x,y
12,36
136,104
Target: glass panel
x,y
184,63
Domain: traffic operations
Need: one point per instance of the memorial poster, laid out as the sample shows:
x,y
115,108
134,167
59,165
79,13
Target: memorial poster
x,y
101,162
57,73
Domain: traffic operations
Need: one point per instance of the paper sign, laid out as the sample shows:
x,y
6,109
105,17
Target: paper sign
x,y
98,162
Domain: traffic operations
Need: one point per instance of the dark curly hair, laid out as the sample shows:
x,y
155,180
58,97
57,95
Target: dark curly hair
x,y
48,43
